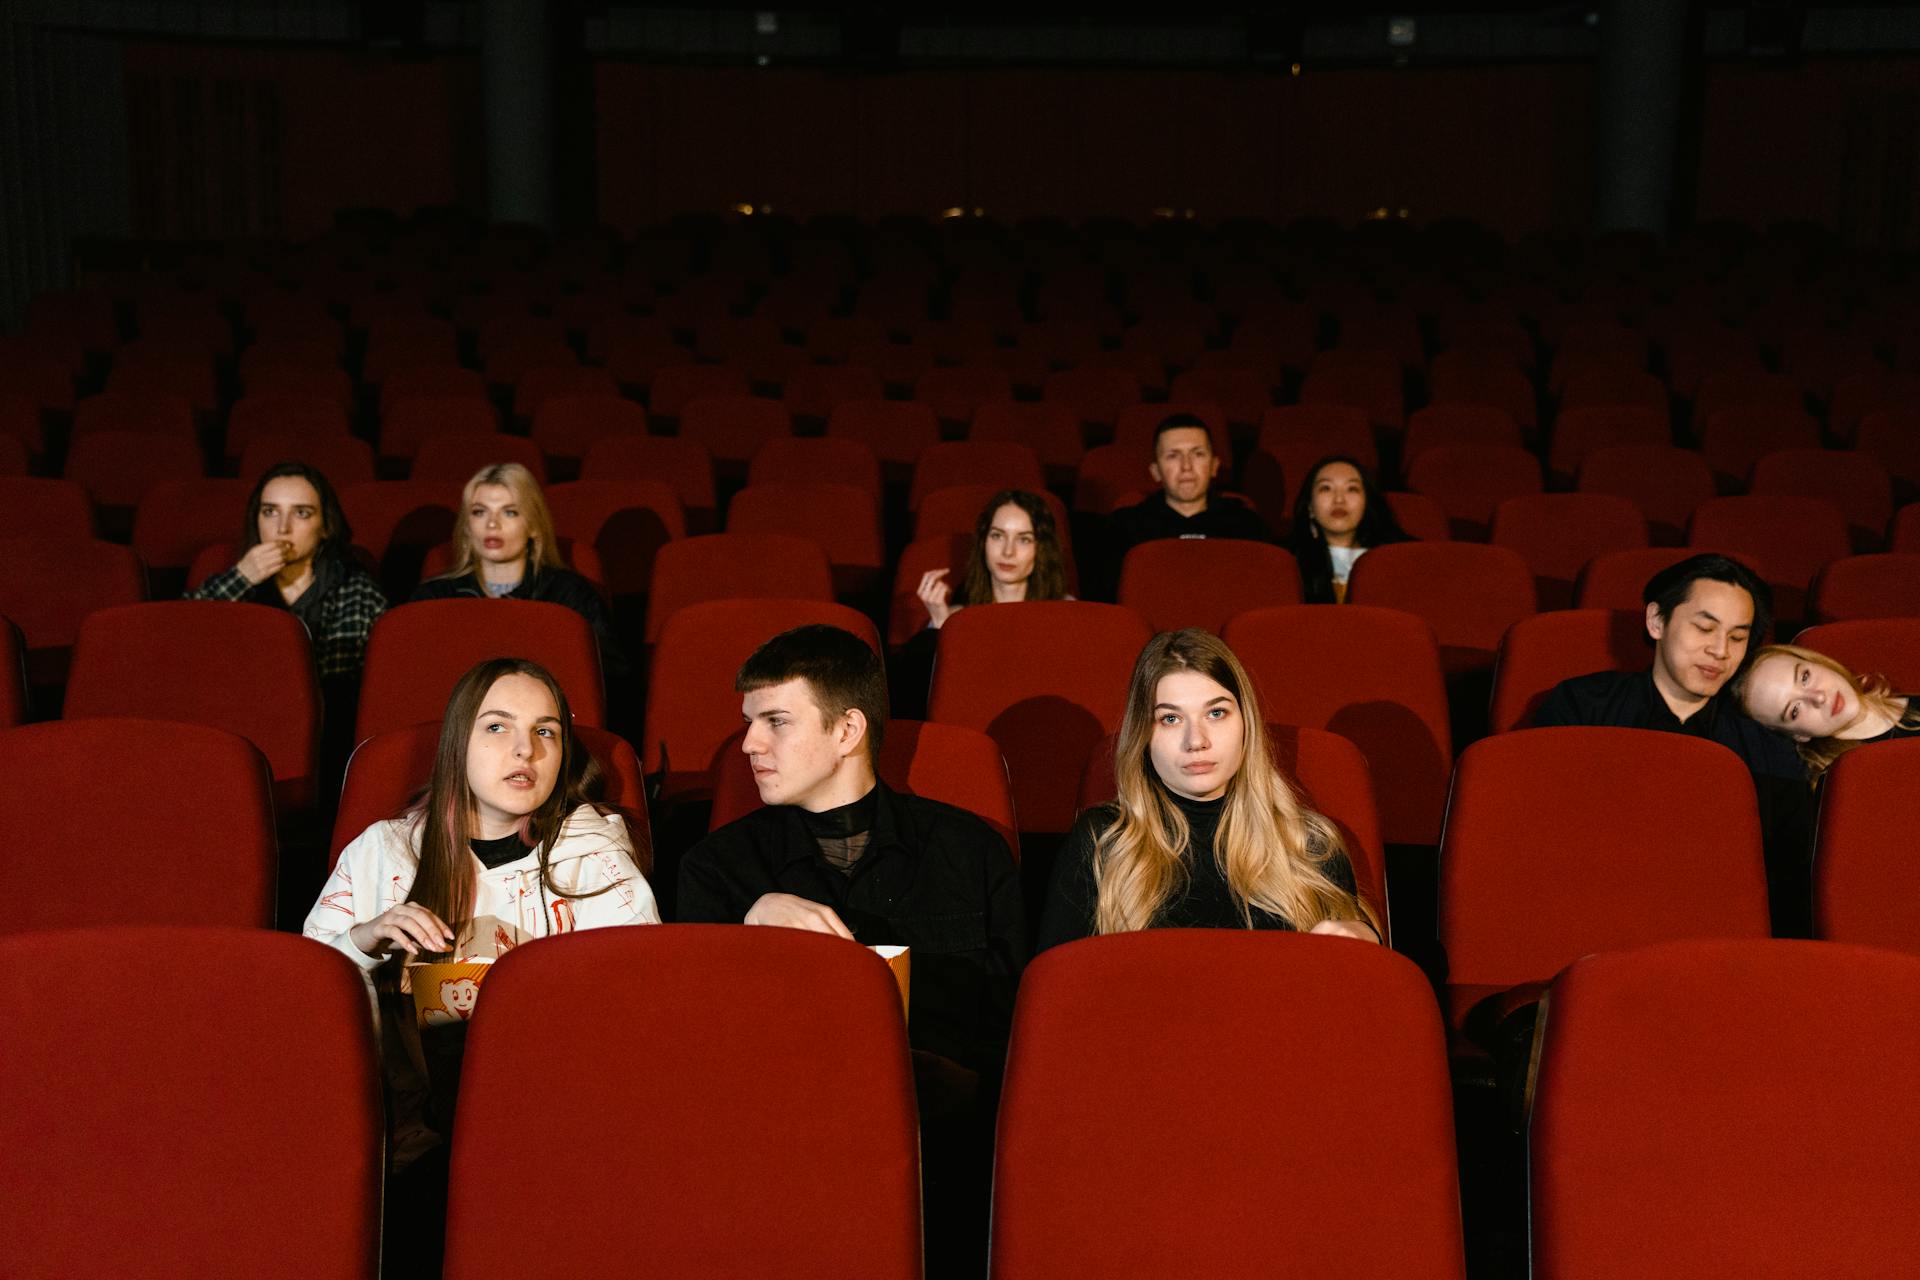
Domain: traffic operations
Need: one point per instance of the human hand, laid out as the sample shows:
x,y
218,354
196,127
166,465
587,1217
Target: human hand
x,y
263,560
934,593
405,927
1357,929
789,912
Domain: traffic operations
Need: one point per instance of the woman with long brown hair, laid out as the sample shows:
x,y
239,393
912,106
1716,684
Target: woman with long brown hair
x,y
1016,557
1206,833
505,846
1824,707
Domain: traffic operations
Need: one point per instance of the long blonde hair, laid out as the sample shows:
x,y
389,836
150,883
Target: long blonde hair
x,y
1271,848
1874,691
543,545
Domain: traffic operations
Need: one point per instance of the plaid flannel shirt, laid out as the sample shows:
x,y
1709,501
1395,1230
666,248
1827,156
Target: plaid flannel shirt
x,y
345,618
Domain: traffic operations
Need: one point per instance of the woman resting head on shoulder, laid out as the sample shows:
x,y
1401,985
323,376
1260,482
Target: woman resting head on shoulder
x,y
1016,556
296,553
1825,708
505,833
1340,514
1205,832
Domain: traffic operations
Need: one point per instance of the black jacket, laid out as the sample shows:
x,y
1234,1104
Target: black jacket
x,y
1152,518
934,878
1629,700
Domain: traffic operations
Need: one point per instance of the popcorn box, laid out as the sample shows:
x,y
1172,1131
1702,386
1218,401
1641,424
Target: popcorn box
x,y
899,959
444,994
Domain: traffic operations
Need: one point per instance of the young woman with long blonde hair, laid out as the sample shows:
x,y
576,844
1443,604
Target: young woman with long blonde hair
x,y
1205,833
1825,708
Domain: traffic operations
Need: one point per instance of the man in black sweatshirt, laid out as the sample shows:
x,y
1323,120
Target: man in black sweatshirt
x,y
1184,466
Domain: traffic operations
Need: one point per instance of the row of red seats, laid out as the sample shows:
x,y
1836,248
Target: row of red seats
x,y
1660,1082
1044,680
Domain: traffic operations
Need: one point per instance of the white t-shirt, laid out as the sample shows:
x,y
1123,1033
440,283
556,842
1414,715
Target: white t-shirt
x,y
1343,558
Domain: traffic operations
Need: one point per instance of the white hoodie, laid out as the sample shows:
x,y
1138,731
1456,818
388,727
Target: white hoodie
x,y
375,873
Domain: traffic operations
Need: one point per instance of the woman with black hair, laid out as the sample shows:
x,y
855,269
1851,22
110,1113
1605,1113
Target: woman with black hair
x,y
296,554
1339,515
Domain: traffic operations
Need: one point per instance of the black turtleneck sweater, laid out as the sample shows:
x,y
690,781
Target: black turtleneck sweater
x,y
1202,901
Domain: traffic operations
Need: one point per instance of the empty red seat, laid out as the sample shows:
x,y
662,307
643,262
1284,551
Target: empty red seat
x,y
1138,424
815,460
514,360
624,522
1732,389
1469,594
441,380
1893,437
176,518
1496,386
675,386
52,581
1243,395
1202,582
684,464
331,385
13,688
566,426
1662,1134
408,423
189,377
897,431
1095,395
117,468
906,614
1457,424
1546,859
957,395
217,1066
1887,646
342,459
1874,586
843,519
534,388
1579,430
1371,675
1664,482
456,458
1856,483
263,414
1376,391
1539,652
157,796
1736,438
1793,538
735,566
944,762
1905,533
19,423
1864,877
1047,680
721,1011
158,414
692,709
1076,1194
1002,464
1616,579
1558,533
733,428
1471,480
32,506
817,390
417,652
1112,476
390,770
244,668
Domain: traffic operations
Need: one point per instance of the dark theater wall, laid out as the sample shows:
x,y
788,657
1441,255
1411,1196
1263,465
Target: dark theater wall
x,y
233,141
1508,145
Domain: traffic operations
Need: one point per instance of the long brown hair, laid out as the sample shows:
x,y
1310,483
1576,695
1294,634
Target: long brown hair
x,y
543,545
1048,581
444,882
1271,848
1874,691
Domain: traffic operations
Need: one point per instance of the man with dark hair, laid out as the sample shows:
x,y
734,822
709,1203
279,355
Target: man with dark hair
x,y
1703,616
1184,466
836,850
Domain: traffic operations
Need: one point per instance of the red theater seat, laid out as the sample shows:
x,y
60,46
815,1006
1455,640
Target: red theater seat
x,y
1727,1100
13,686
843,519
407,423
624,522
1202,582
735,566
244,668
342,459
1887,646
734,428
1866,884
1856,483
1618,579
958,395
418,652
1558,533
1076,1194
1471,480
32,506
673,387
684,464
1666,483
1469,594
1546,859
1878,586
228,1078
1579,430
53,582
721,1012
181,796
816,460
1539,652
566,426
1093,394
1793,538
456,459
1047,680
1370,675
1112,476
1002,464
1448,425
176,518
139,413
1737,438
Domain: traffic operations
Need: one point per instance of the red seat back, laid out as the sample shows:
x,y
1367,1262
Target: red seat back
x,y
1866,885
1202,582
454,459
1469,594
1881,586
1666,483
735,566
1047,680
1539,652
1558,533
1471,480
1076,1194
52,583
277,1088
1887,646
